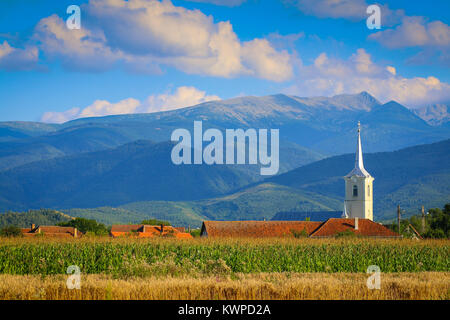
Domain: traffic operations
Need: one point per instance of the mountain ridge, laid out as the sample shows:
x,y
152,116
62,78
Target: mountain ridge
x,y
320,126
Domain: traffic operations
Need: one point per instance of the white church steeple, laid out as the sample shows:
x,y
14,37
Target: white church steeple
x,y
359,163
358,187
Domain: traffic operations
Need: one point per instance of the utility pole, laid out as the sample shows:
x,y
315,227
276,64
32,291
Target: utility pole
x,y
423,219
398,217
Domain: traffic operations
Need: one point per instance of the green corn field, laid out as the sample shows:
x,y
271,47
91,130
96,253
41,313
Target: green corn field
x,y
137,257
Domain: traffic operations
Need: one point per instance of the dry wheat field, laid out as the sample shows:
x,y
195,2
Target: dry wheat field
x,y
208,269
260,286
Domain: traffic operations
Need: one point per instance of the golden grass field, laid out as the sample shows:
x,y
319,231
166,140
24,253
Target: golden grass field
x,y
262,286
206,269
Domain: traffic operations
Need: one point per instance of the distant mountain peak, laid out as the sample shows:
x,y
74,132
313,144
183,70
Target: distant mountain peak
x,y
360,101
435,114
393,104
366,94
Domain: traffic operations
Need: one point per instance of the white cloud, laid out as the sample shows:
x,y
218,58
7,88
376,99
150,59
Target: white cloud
x,y
60,117
354,10
330,76
392,70
18,59
104,108
432,37
77,49
182,97
5,49
265,62
414,32
146,34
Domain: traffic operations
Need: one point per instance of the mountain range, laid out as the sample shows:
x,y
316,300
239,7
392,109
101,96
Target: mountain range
x,y
121,164
313,128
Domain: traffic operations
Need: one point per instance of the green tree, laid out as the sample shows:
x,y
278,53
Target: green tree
x,y
155,222
86,225
437,223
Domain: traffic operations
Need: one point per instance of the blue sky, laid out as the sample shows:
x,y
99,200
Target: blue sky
x,y
147,55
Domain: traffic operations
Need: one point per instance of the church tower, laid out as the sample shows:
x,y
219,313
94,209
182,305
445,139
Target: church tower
x,y
358,188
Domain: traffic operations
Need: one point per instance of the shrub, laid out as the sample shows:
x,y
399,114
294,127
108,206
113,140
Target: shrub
x,y
11,231
155,222
300,234
346,234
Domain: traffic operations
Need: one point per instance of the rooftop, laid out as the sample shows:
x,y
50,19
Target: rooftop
x,y
314,229
147,231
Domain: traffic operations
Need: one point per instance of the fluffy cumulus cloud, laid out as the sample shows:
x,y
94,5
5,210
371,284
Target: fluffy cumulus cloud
x,y
106,108
400,30
330,76
17,59
76,49
144,35
354,10
60,117
432,37
413,32
180,98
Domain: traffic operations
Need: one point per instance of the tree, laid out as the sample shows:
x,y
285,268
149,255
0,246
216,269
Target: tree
x,y
437,223
86,225
155,222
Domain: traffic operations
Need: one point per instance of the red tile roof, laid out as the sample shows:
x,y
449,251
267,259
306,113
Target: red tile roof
x,y
147,231
257,228
366,228
54,231
125,227
329,228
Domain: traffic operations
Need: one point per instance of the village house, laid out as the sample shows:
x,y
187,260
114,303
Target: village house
x,y
51,231
312,229
148,231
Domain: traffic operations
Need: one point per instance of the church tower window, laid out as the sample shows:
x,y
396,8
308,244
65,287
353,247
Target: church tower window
x,y
368,191
355,191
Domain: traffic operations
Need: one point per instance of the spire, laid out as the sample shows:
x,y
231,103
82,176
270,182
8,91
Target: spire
x,y
359,163
359,158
